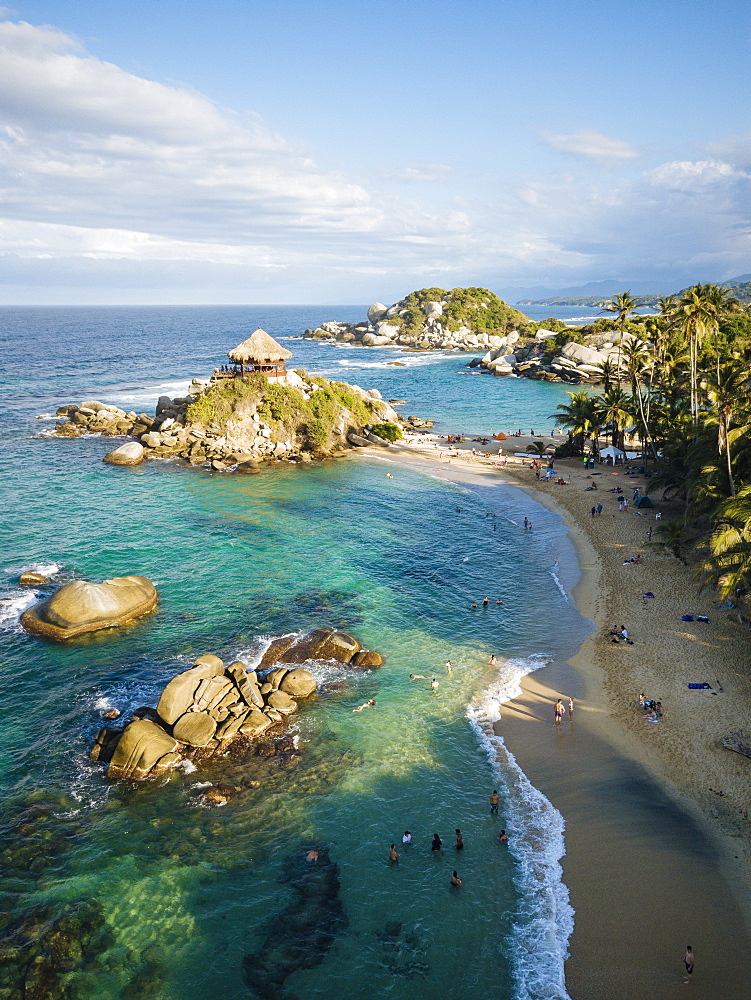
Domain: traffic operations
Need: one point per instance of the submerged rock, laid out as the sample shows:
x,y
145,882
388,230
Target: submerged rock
x,y
80,607
301,935
320,644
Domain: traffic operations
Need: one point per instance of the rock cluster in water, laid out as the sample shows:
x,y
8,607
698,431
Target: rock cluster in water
x,y
203,709
385,327
80,607
236,426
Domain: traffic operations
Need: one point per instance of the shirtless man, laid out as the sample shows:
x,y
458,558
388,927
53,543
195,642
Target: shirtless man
x,y
417,677
495,798
558,710
688,961
502,837
434,684
393,854
455,880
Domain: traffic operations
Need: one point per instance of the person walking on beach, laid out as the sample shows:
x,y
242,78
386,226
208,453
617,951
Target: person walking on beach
x,y
570,706
688,961
599,509
437,843
495,798
558,712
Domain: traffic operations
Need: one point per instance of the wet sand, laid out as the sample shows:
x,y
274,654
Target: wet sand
x,y
655,859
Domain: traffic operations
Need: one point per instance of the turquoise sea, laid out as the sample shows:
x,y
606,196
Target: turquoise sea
x,y
137,891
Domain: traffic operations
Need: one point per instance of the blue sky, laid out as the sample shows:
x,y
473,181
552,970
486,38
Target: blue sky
x,y
180,151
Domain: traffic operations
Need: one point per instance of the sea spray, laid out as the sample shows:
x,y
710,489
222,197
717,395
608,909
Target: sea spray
x,y
544,920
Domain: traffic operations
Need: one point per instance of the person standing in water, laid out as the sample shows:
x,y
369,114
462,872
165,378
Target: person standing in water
x,y
558,710
455,880
459,840
434,684
437,843
448,666
393,854
495,798
570,707
688,961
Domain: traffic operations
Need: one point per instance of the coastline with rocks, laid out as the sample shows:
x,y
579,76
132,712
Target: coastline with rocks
x,y
527,349
689,826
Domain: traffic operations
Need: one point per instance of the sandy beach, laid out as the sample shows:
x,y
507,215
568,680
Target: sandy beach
x,y
658,835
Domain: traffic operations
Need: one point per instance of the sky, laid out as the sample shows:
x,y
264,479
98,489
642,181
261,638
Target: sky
x,y
350,151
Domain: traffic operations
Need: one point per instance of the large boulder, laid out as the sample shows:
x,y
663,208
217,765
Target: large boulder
x,y
33,579
255,723
127,454
321,644
578,352
180,693
367,658
433,310
80,607
298,684
281,703
195,728
141,747
377,311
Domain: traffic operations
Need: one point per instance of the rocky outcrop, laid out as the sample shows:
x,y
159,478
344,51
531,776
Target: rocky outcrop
x,y
31,578
463,319
234,424
205,708
80,607
321,644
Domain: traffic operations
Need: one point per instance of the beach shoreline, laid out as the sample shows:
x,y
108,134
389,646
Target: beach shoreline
x,y
677,765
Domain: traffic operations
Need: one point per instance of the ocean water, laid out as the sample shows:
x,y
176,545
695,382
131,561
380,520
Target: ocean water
x,y
174,901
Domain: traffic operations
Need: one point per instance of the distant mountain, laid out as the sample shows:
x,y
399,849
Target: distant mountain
x,y
600,292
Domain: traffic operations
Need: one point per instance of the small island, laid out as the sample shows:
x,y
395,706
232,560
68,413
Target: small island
x,y
251,411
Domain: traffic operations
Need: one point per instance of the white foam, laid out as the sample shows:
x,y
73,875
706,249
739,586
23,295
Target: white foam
x,y
544,920
186,766
46,569
13,605
558,583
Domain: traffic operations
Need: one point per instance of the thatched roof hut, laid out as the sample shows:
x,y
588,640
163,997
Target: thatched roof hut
x,y
259,349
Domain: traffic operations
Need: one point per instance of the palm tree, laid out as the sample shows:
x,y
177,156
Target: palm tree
x,y
536,448
702,308
613,408
609,371
580,417
729,562
622,305
638,359
728,391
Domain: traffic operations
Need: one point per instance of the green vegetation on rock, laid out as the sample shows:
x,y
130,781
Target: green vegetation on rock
x,y
283,407
388,431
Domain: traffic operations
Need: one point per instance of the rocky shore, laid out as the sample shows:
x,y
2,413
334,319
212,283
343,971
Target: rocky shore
x,y
237,423
465,320
204,709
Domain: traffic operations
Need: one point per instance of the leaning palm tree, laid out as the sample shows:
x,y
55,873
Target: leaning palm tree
x,y
729,562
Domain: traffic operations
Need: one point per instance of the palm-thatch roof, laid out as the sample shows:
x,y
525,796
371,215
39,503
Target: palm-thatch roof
x,y
260,349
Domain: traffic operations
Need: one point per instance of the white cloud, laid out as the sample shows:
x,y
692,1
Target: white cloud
x,y
423,172
591,145
693,175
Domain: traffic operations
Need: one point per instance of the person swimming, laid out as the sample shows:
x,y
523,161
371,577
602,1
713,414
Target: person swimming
x,y
370,703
